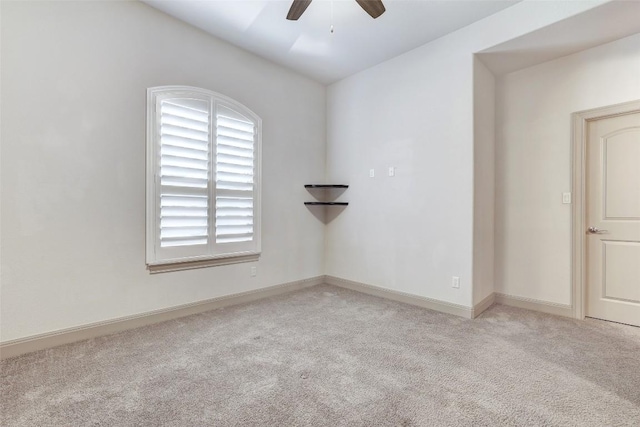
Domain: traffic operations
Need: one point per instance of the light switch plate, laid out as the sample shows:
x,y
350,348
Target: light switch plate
x,y
566,198
392,171
372,173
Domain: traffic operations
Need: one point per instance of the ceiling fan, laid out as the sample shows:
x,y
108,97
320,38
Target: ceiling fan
x,y
374,8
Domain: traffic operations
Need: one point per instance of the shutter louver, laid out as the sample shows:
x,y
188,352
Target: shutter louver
x,y
235,138
184,172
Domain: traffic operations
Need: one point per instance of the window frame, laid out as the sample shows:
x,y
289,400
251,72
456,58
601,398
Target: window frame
x,y
212,253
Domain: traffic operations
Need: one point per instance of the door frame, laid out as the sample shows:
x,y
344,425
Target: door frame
x,y
580,120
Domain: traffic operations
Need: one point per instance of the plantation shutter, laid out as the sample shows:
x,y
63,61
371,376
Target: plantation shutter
x,y
203,189
184,172
235,174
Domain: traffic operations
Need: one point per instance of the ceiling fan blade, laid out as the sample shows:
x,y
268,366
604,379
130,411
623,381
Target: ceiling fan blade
x,y
374,8
297,9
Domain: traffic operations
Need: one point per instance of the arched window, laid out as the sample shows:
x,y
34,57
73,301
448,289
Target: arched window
x,y
203,179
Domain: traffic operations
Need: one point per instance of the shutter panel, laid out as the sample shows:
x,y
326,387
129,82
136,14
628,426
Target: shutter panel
x,y
235,172
203,172
184,172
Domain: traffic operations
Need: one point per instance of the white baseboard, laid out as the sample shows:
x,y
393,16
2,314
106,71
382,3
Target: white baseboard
x,y
432,304
455,309
535,305
20,346
483,305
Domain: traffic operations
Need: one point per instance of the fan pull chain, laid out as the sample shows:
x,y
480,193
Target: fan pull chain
x,y
331,28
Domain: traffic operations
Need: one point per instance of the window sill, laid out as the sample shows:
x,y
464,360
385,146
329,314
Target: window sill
x,y
166,267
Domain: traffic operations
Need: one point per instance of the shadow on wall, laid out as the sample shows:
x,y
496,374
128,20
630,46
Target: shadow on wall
x,y
326,214
326,194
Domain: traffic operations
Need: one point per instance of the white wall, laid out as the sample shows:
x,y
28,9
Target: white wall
x,y
483,181
533,161
414,231
74,79
73,83
411,232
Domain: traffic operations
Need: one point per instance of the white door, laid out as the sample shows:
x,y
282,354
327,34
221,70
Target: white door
x,y
613,219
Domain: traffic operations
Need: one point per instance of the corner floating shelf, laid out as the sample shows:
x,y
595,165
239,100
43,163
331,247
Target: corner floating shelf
x,y
325,187
326,203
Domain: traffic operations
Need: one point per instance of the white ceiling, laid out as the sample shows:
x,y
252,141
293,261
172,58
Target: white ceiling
x,y
307,46
603,24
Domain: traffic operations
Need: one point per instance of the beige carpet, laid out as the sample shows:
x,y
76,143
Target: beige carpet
x,y
326,356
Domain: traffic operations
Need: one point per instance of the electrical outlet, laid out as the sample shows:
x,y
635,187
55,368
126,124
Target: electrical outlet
x,y
455,283
254,271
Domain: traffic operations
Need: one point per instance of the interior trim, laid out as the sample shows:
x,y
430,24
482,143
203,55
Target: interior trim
x,y
580,120
46,340
564,310
483,305
202,263
424,302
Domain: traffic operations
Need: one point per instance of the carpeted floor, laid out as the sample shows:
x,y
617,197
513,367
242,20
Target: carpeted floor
x,y
326,356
